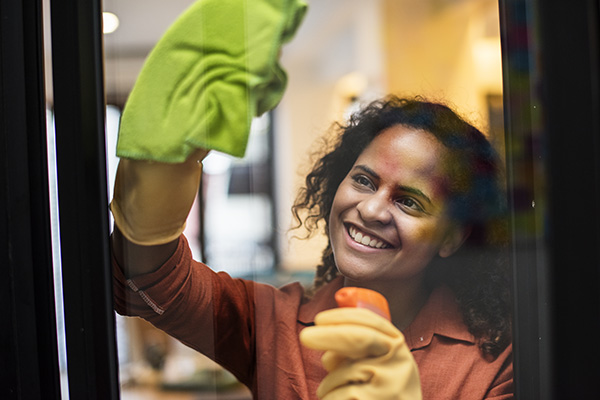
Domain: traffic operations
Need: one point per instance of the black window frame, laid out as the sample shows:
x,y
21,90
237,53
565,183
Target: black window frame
x,y
79,114
29,355
551,70
551,98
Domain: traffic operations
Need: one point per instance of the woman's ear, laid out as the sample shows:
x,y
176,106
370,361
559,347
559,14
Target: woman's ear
x,y
454,239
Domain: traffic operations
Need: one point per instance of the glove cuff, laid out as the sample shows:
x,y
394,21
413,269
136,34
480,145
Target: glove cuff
x,y
152,200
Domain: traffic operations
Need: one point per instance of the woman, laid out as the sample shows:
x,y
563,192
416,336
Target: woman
x,y
411,198
455,204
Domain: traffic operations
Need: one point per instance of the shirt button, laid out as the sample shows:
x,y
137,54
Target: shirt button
x,y
422,338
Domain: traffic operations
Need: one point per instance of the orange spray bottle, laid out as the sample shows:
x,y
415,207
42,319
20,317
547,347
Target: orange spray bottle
x,y
364,298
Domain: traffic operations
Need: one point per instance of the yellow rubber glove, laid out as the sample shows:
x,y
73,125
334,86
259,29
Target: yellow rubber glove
x,y
152,200
365,355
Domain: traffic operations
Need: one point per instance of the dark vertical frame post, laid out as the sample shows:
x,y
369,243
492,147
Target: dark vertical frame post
x,y
28,348
551,67
79,109
570,91
526,194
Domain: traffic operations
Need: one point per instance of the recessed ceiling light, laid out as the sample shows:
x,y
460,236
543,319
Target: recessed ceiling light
x,y
110,22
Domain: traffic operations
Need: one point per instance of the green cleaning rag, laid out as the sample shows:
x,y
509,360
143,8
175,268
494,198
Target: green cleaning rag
x,y
214,69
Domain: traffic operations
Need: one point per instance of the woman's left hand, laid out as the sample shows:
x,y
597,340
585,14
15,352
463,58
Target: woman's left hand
x,y
366,356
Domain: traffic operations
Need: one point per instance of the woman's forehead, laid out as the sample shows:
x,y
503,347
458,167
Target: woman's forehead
x,y
401,148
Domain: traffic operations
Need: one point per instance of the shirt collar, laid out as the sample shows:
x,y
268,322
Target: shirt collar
x,y
439,316
323,299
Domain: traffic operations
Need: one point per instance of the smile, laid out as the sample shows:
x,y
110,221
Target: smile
x,y
366,240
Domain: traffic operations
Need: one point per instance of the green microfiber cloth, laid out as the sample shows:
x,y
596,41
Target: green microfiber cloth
x,y
214,69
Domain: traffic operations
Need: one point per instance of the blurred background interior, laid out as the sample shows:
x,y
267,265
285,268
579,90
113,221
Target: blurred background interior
x,y
346,53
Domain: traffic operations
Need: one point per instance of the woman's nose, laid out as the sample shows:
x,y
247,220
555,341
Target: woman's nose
x,y
375,208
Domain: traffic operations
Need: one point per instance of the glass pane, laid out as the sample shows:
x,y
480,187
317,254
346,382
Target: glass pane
x,y
345,55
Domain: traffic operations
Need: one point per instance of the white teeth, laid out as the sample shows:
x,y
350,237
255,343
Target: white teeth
x,y
365,239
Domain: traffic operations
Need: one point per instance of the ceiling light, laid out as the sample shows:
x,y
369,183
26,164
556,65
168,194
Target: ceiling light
x,y
110,22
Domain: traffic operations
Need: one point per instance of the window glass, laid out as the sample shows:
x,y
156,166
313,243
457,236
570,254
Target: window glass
x,y
344,55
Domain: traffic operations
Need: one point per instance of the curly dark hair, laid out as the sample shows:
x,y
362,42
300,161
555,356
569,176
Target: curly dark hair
x,y
479,272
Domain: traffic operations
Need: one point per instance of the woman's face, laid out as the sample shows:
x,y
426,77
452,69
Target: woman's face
x,y
389,216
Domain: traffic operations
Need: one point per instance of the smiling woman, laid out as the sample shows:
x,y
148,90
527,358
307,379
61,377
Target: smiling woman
x,y
408,194
411,198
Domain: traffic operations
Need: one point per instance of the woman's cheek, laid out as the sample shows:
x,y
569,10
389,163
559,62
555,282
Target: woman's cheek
x,y
427,233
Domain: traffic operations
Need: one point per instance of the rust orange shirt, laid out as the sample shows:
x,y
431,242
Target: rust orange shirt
x,y
252,330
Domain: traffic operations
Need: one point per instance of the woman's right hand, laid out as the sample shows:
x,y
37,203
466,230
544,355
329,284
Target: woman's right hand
x,y
152,199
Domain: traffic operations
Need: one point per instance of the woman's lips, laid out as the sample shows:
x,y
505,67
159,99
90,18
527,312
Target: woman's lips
x,y
367,239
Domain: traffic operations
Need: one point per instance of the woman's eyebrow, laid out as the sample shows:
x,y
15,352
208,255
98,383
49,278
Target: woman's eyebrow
x,y
368,170
415,191
408,189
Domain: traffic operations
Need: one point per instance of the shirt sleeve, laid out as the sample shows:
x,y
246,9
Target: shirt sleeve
x,y
210,312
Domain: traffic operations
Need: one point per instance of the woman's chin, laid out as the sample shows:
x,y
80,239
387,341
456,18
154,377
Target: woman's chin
x,y
354,274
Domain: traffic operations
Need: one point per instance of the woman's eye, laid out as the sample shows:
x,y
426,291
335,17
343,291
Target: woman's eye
x,y
363,181
410,203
